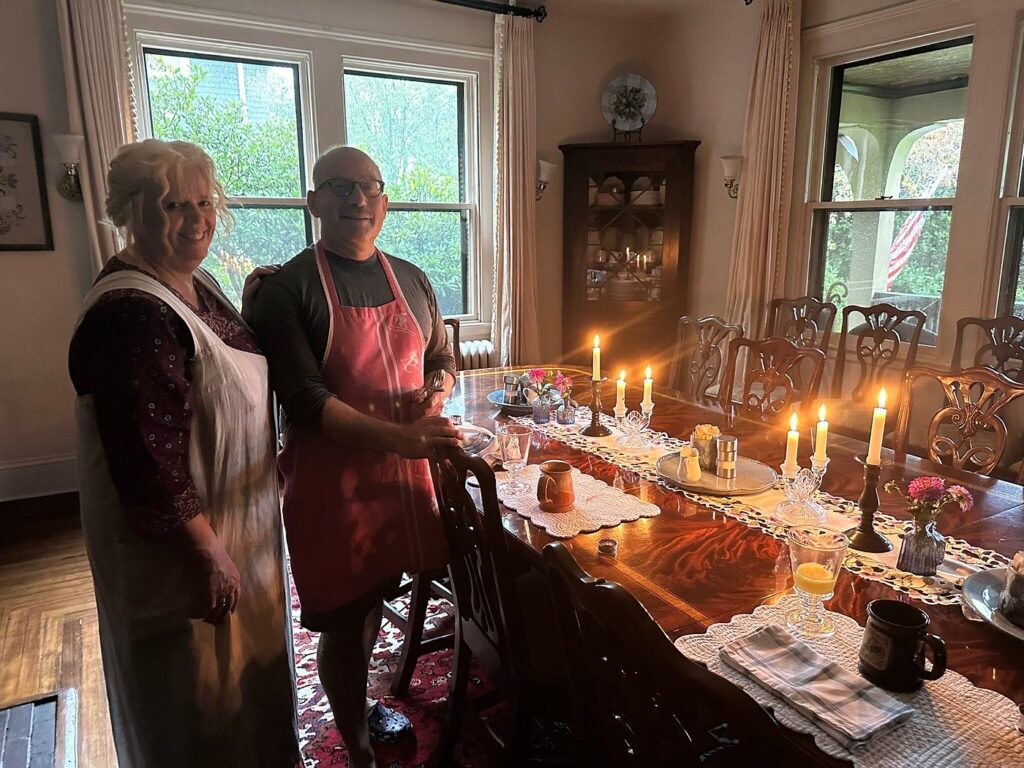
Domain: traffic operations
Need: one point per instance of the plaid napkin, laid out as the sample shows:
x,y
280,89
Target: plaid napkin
x,y
843,704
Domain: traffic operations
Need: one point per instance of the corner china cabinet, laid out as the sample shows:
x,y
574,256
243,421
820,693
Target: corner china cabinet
x,y
627,240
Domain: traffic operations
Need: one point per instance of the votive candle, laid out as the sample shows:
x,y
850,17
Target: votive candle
x,y
877,430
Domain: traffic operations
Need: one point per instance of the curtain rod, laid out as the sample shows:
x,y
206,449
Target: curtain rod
x,y
539,13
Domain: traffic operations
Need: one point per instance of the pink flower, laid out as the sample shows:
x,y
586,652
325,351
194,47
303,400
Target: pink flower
x,y
537,375
562,382
926,490
961,496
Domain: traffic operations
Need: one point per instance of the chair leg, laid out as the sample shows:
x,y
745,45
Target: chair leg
x,y
420,595
457,692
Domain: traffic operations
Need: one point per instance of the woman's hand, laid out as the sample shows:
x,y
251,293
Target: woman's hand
x,y
251,287
220,583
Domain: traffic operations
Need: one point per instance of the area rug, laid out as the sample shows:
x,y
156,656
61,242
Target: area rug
x,y
424,705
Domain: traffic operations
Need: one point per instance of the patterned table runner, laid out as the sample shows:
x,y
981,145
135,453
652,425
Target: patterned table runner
x,y
962,558
955,723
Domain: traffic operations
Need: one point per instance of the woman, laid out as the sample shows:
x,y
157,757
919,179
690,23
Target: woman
x,y
179,484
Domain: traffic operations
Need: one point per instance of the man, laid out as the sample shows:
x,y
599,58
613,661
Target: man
x,y
351,336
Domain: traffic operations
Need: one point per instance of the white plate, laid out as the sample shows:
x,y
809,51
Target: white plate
x,y
751,477
981,593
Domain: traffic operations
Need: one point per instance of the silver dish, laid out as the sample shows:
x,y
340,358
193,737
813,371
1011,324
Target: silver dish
x,y
475,440
497,398
751,477
981,593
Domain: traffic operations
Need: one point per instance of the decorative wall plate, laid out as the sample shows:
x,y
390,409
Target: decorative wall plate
x,y
628,102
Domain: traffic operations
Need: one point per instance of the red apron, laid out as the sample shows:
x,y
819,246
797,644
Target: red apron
x,y
355,518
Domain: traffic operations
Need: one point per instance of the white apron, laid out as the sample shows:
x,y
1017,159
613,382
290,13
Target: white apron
x,y
183,692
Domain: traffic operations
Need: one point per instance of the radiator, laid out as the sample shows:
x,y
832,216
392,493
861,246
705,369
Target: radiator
x,y
476,354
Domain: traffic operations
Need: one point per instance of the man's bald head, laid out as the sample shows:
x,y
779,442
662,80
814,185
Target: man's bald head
x,y
349,162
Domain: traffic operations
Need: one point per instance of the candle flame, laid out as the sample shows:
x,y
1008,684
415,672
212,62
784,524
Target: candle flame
x,y
881,398
622,375
597,341
792,422
647,373
821,412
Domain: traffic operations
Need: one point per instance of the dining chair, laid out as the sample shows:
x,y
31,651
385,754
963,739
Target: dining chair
x,y
638,701
491,623
1002,347
968,431
778,376
698,355
454,324
806,321
884,334
420,588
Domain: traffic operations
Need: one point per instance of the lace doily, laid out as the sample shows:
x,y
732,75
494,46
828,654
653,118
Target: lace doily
x,y
962,558
598,505
955,723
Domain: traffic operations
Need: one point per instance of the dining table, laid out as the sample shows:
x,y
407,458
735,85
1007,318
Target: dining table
x,y
693,566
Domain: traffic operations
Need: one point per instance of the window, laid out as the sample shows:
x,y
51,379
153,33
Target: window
x,y
881,228
415,127
246,114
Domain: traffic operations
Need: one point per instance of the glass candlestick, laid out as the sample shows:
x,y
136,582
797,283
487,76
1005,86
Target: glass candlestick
x,y
596,428
634,429
800,487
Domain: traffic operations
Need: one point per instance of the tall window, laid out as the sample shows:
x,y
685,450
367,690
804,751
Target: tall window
x,y
893,143
416,129
246,114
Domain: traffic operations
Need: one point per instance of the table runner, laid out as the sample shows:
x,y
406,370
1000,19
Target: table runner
x,y
962,558
955,723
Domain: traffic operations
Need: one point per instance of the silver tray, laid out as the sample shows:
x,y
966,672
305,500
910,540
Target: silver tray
x,y
751,477
981,593
476,440
497,398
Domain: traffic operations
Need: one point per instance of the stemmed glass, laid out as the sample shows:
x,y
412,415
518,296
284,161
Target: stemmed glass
x,y
816,555
514,446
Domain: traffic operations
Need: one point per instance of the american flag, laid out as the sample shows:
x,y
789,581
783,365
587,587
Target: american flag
x,y
902,246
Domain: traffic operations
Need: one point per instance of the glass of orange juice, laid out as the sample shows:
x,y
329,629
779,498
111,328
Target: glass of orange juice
x,y
816,555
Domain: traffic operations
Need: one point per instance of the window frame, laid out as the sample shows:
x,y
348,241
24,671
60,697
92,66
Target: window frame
x,y
1011,200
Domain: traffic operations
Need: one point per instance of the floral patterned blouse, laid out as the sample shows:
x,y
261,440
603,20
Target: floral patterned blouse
x,y
134,355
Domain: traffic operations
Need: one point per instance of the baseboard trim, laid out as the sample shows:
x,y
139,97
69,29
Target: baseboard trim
x,y
42,476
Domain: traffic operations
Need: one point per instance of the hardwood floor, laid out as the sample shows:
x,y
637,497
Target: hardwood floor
x,y
49,637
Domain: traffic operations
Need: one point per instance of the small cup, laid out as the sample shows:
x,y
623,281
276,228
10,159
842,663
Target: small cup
x,y
892,651
554,488
706,450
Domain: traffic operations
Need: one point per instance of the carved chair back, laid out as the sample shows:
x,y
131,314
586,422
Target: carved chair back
x,y
1002,347
885,333
637,700
801,320
453,323
699,353
968,431
778,376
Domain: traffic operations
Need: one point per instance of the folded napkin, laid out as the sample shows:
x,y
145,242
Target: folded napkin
x,y
844,705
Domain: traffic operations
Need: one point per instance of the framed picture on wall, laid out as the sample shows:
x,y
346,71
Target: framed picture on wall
x,y
24,209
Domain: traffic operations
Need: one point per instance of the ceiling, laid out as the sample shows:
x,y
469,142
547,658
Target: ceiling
x,y
913,72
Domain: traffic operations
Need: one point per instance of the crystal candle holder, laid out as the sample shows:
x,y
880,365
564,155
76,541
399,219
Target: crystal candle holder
x,y
801,487
634,431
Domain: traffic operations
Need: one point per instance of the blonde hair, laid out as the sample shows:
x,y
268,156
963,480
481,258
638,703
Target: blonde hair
x,y
139,176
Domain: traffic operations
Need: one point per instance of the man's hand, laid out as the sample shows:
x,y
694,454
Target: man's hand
x,y
250,288
427,437
427,402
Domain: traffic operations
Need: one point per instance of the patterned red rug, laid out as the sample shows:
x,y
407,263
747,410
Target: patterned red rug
x,y
424,706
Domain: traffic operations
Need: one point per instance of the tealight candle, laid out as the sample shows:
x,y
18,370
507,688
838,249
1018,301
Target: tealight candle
x,y
648,385
792,445
821,436
877,431
620,391
597,357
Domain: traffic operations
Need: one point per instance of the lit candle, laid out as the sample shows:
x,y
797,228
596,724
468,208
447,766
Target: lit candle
x,y
597,357
877,431
792,444
620,391
821,436
648,384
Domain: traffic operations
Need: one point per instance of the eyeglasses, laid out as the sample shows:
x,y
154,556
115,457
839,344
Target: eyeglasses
x,y
343,187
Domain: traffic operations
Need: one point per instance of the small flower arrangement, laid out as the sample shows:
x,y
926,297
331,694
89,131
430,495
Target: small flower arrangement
x,y
545,382
925,496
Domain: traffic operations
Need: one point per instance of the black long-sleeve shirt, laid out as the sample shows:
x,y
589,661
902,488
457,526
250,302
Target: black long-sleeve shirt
x,y
292,321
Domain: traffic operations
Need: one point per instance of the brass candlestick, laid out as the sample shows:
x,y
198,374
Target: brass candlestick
x,y
596,428
864,538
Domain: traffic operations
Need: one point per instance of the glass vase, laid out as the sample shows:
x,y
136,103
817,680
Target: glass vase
x,y
922,550
541,410
566,413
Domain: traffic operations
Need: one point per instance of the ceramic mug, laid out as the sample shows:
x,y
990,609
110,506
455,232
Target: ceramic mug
x,y
554,488
892,651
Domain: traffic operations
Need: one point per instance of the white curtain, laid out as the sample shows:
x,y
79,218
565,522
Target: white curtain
x,y
516,332
97,78
762,221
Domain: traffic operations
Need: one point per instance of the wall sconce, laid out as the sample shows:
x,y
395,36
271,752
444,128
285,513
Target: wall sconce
x,y
545,171
69,148
731,165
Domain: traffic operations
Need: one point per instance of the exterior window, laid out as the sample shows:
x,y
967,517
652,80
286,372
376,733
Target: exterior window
x,y
415,128
893,157
246,114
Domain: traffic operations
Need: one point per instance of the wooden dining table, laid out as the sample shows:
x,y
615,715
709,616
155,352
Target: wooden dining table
x,y
692,566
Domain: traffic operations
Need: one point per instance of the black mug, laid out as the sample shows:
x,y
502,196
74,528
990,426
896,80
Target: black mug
x,y
892,651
